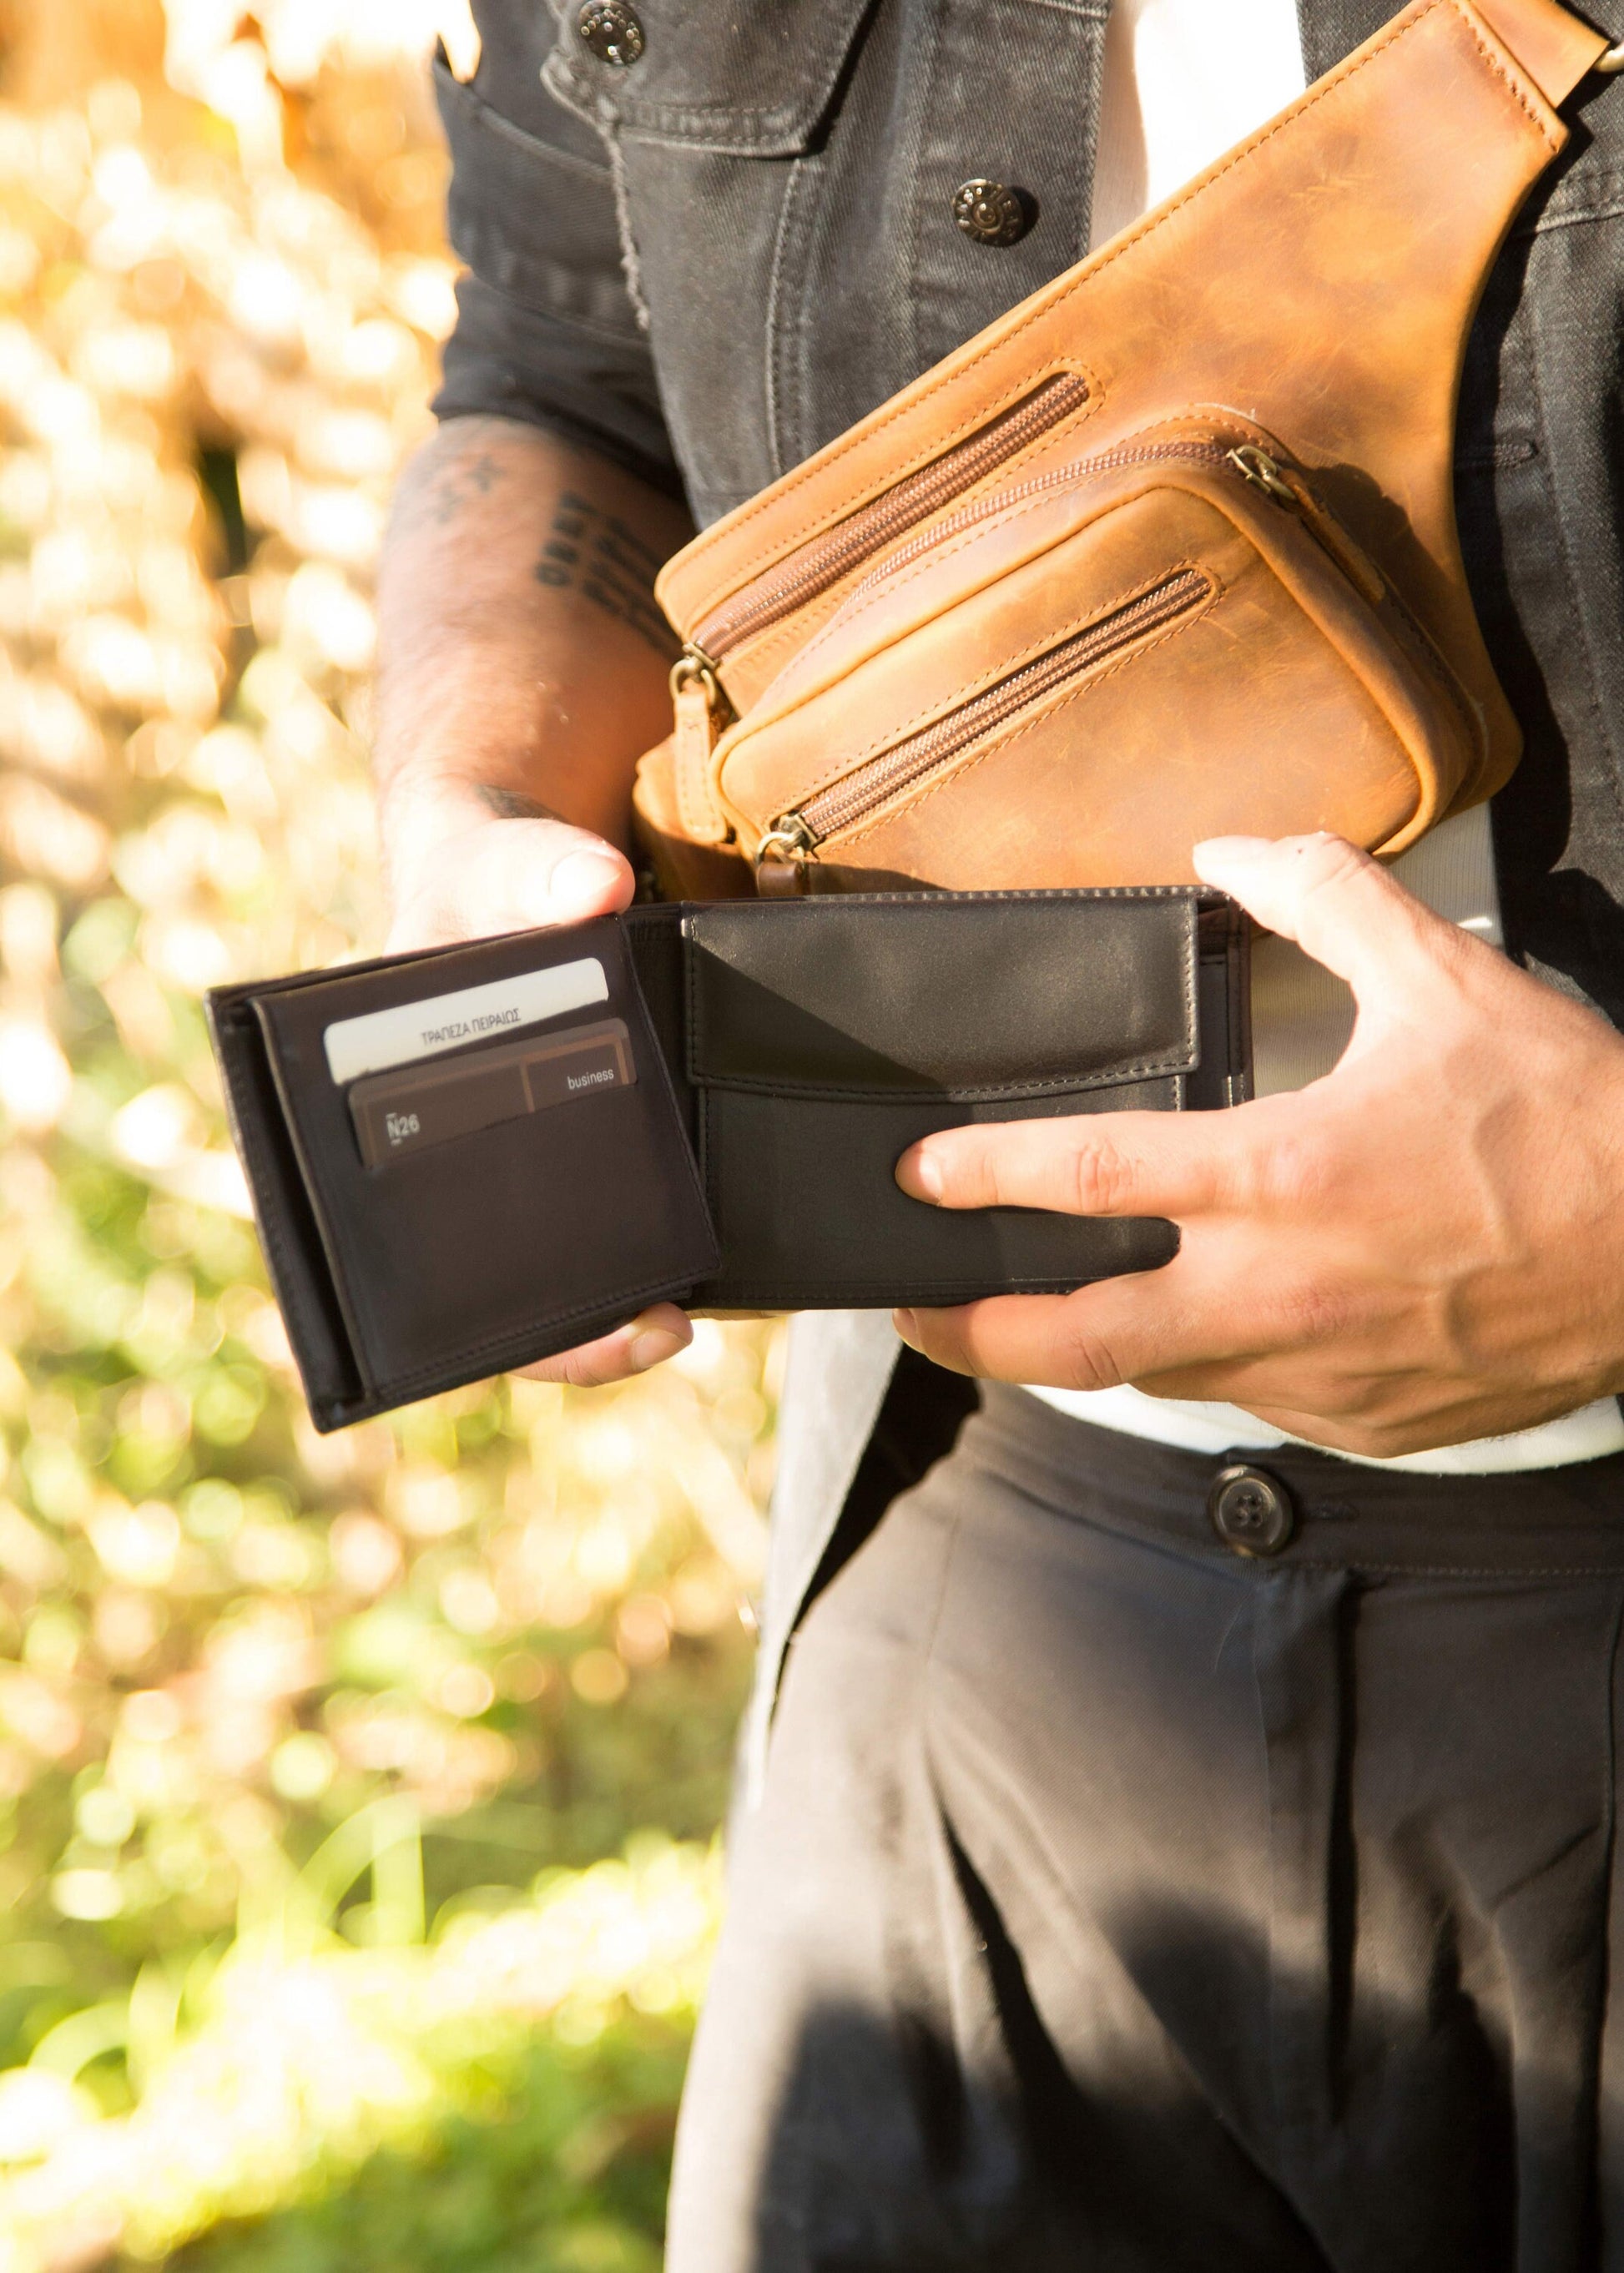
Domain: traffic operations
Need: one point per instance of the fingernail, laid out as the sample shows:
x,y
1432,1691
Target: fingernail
x,y
653,1346
586,881
1232,848
907,1329
919,1173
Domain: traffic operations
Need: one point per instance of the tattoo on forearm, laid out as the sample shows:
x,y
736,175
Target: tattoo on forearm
x,y
450,489
595,554
512,804
442,483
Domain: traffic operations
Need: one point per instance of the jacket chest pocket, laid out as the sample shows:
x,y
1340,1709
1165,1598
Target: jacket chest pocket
x,y
710,114
820,197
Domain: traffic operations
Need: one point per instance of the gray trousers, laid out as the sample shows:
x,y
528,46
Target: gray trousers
x,y
1120,1904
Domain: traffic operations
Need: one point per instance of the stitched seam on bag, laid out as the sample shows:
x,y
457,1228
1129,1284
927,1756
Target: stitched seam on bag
x,y
1033,501
1022,499
984,415
933,560
1343,77
1057,636
1090,685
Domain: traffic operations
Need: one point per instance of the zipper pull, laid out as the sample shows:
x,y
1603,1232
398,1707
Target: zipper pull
x,y
702,709
1286,486
781,858
1263,472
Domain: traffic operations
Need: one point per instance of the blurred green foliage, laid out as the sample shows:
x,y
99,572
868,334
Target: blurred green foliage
x,y
312,1750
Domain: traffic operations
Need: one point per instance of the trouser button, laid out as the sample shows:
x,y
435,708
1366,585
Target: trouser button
x,y
1251,1510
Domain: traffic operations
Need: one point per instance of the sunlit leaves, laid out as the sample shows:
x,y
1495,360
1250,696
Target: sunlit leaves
x,y
289,1725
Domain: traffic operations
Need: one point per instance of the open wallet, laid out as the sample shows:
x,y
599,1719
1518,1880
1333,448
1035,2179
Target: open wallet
x,y
468,1159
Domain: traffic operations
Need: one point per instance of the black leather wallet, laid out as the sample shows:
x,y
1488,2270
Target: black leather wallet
x,y
468,1159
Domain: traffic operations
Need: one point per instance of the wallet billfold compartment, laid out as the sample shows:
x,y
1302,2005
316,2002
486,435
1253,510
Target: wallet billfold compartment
x,y
472,1158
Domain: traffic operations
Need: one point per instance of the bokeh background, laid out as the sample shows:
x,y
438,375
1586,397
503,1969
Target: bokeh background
x,y
357,1795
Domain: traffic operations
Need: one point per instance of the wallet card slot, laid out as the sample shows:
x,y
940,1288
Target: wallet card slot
x,y
507,1240
1017,995
409,1108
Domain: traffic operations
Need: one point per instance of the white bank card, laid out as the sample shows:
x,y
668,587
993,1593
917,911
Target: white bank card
x,y
382,1039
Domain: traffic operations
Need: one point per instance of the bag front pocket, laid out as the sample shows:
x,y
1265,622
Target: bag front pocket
x,y
1070,682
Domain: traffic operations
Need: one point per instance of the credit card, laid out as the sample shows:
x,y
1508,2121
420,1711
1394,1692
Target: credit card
x,y
381,1039
399,1113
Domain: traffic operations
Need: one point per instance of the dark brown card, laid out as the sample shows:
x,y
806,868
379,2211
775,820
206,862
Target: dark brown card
x,y
413,1106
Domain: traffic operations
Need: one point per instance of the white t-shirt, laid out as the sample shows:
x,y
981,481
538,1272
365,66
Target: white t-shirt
x,y
1183,81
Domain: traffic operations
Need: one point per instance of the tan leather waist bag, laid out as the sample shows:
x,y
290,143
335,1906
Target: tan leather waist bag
x,y
1167,550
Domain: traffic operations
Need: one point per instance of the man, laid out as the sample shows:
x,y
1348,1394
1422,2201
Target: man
x,y
1168,1844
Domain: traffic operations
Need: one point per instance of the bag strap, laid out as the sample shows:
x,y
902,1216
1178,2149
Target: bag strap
x,y
1555,50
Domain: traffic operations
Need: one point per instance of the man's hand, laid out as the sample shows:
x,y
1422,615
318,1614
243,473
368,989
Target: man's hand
x,y
477,874
1423,1248
522,671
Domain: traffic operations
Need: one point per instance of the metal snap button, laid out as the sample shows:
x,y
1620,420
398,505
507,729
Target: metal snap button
x,y
613,31
992,213
1251,1510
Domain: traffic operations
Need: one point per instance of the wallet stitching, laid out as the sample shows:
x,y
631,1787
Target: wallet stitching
x,y
1180,1061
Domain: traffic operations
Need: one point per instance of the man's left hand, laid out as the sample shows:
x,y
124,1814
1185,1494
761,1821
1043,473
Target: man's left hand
x,y
1425,1246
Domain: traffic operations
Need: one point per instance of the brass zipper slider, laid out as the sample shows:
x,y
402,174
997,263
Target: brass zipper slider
x,y
781,858
702,709
1263,472
694,667
1287,487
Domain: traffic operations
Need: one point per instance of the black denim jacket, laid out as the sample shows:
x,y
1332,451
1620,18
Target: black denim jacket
x,y
708,262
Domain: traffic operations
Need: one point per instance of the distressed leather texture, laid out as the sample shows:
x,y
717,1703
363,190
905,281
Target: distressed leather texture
x,y
1308,297
785,1056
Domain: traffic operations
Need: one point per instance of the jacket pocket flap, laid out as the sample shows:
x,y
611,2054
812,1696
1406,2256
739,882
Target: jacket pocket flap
x,y
1002,994
753,82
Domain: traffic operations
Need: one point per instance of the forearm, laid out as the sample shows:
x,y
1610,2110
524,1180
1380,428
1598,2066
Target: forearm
x,y
522,659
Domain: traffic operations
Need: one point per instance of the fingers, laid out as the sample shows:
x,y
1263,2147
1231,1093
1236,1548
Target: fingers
x,y
1117,1331
1115,1164
1339,905
510,876
644,1342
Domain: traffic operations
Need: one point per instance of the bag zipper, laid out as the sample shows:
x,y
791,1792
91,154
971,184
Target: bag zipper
x,y
823,562
795,835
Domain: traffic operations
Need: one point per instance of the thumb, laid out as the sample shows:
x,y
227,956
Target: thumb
x,y
512,875
585,876
1340,906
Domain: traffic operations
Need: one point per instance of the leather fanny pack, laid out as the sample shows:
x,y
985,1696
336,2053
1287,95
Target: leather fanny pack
x,y
1167,552
470,1159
